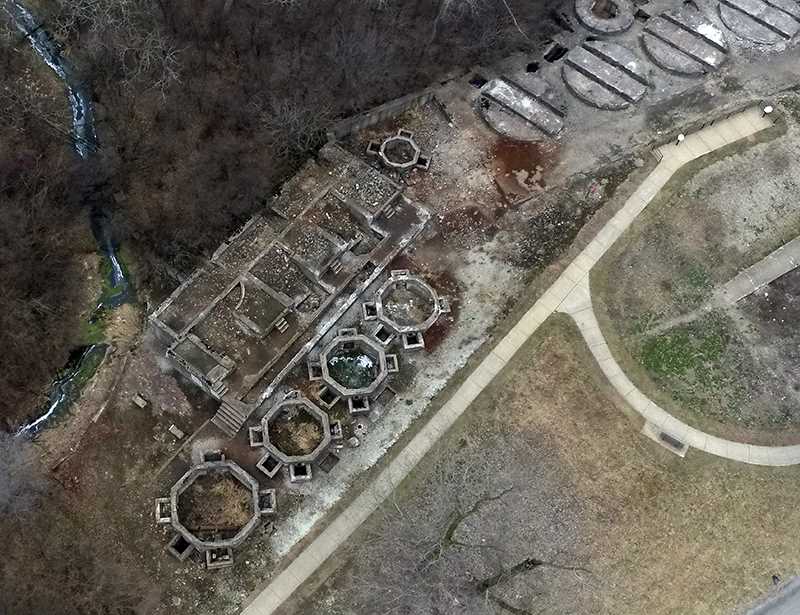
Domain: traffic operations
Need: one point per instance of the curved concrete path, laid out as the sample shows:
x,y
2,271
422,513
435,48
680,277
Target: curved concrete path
x,y
578,305
559,296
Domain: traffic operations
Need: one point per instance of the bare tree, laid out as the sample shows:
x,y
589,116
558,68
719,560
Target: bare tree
x,y
294,128
21,480
446,556
129,31
449,9
454,9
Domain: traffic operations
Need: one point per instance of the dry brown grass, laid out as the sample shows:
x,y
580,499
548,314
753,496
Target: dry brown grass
x,y
659,534
698,535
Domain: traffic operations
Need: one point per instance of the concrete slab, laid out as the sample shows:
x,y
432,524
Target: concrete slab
x,y
728,132
622,383
762,455
694,20
682,41
712,138
760,21
606,75
591,92
696,438
665,439
518,101
636,399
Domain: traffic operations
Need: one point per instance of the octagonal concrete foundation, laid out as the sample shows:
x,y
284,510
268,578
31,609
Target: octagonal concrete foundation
x,y
406,303
209,538
353,365
399,152
296,430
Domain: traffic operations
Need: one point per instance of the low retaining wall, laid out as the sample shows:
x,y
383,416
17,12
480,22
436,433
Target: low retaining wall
x,y
382,112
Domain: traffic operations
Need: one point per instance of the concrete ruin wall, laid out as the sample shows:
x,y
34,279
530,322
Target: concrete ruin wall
x,y
378,114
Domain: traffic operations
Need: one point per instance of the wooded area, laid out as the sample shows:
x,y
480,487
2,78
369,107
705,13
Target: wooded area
x,y
202,109
43,231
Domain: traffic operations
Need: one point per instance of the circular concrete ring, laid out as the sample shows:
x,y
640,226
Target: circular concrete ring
x,y
621,21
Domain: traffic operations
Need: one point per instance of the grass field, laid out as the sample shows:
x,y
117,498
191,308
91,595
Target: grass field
x,y
633,528
719,370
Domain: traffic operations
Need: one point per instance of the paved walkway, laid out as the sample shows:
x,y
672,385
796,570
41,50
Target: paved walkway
x,y
744,284
784,601
578,304
770,268
574,276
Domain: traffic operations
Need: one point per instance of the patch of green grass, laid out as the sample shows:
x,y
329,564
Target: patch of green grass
x,y
88,367
688,349
94,329
701,364
697,277
693,286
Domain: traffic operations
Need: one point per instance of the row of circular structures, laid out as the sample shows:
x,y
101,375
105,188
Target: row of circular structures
x,y
610,76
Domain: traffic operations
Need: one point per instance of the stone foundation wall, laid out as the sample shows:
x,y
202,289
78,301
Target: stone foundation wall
x,y
382,112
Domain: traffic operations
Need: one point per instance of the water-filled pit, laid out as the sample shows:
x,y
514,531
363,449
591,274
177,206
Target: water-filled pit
x,y
353,368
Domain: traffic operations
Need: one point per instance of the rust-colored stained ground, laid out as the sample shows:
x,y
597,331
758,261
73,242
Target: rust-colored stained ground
x,y
519,168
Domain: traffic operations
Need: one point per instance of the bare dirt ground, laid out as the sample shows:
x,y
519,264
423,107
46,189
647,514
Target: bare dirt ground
x,y
619,524
723,371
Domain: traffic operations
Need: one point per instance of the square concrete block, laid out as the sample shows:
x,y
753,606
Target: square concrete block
x,y
744,126
586,322
696,439
163,511
608,235
593,336
762,455
584,262
573,273
594,250
266,602
785,455
726,130
712,138
601,352
219,558
696,146
180,548
637,400
621,382
738,451
532,320
670,164
483,376
716,446
299,472
508,347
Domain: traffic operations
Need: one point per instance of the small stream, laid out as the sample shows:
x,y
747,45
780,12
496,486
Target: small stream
x,y
66,388
49,50
85,360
